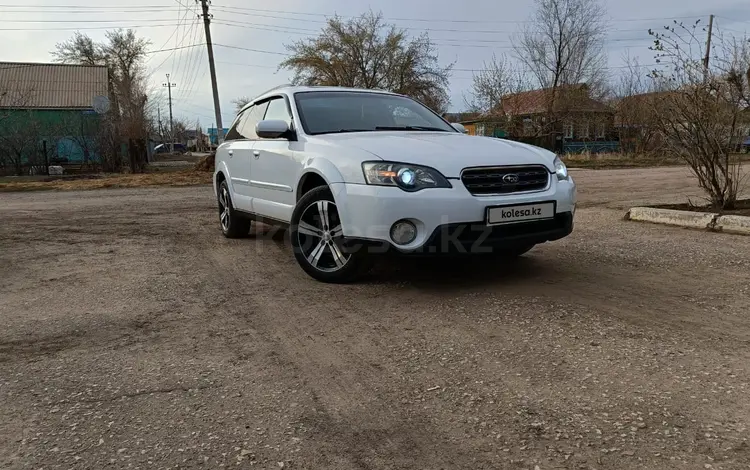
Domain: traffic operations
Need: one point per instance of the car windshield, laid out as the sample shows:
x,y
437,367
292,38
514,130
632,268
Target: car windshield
x,y
326,112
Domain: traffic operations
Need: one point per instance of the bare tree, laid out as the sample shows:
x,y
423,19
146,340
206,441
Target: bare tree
x,y
496,79
20,130
19,140
634,100
701,113
240,103
563,44
366,52
80,49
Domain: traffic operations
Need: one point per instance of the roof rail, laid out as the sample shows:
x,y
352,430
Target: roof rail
x,y
275,88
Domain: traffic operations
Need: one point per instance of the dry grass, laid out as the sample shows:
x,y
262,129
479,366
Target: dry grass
x,y
624,160
618,160
175,178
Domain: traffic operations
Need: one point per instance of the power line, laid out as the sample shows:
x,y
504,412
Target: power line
x,y
91,28
435,40
192,81
251,50
445,42
89,12
329,15
174,48
246,65
153,20
189,67
179,21
98,7
182,61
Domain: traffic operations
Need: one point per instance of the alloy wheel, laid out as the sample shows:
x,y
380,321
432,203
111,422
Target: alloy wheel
x,y
224,215
321,237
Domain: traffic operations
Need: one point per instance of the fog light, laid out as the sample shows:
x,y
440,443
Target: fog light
x,y
403,232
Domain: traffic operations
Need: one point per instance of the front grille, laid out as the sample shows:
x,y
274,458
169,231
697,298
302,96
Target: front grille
x,y
504,180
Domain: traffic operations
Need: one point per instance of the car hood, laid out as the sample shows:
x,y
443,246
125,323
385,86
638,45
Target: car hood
x,y
447,152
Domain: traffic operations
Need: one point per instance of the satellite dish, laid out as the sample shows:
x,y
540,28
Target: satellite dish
x,y
100,104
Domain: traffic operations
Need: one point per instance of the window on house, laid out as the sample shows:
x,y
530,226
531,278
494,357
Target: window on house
x,y
584,131
601,129
480,129
568,130
528,127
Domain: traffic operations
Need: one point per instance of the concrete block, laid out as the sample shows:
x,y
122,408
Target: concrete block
x,y
701,220
733,224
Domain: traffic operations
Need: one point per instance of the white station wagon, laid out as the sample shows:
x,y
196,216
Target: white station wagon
x,y
356,172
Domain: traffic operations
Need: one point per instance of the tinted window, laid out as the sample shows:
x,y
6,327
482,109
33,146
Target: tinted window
x,y
233,133
323,112
277,110
254,116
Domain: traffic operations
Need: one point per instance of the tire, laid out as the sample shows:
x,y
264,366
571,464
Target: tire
x,y
233,224
318,243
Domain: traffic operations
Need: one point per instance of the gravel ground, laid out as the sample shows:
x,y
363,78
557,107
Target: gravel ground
x,y
132,335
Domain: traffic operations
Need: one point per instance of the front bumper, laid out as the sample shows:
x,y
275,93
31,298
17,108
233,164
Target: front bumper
x,y
449,220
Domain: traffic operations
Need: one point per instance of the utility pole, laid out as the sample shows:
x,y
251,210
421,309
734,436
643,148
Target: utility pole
x,y
169,86
212,69
708,47
158,117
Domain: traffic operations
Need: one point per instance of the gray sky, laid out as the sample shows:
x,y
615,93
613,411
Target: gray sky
x,y
467,33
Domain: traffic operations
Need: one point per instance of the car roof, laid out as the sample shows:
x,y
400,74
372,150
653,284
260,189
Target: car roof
x,y
290,90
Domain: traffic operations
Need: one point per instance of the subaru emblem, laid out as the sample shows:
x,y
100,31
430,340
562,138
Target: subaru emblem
x,y
510,178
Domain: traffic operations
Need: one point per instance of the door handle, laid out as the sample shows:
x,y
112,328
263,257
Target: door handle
x,y
256,153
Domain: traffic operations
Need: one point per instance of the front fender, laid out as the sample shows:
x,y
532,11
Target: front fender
x,y
323,168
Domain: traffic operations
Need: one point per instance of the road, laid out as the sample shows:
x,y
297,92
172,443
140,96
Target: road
x,y
132,335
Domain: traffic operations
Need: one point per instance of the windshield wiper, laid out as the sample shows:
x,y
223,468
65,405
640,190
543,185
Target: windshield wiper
x,y
409,128
343,131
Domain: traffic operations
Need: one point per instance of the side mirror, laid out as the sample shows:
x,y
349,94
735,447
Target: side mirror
x,y
271,128
459,127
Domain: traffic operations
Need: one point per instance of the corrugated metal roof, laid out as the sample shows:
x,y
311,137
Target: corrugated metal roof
x,y
39,85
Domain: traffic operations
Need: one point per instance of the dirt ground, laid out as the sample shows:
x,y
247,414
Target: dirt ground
x,y
132,335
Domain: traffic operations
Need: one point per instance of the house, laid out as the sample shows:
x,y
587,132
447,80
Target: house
x,y
564,119
48,106
213,137
196,140
486,125
636,120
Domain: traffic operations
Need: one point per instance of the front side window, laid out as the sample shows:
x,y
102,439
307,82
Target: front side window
x,y
277,109
325,112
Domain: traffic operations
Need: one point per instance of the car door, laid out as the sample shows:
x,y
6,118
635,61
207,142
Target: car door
x,y
230,151
277,165
241,156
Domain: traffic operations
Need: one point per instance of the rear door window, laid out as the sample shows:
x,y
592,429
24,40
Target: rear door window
x,y
233,132
254,116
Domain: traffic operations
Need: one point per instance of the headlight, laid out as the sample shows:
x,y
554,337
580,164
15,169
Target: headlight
x,y
560,169
404,175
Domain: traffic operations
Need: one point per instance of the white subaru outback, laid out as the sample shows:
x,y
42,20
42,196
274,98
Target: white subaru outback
x,y
355,172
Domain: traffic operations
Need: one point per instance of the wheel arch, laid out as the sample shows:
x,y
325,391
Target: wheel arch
x,y
221,173
317,172
309,180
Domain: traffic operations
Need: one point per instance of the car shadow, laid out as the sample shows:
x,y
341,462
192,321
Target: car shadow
x,y
454,273
432,272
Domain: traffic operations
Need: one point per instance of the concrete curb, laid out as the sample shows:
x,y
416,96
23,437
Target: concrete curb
x,y
735,224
